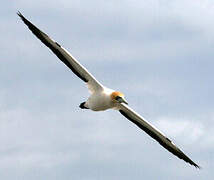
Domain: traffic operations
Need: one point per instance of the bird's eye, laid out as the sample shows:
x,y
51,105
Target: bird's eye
x,y
117,97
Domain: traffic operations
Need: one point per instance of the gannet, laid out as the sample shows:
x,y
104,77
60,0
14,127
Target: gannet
x,y
102,98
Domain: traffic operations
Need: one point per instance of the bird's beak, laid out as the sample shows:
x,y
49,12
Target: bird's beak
x,y
122,100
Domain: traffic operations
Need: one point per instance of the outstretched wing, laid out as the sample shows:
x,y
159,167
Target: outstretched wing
x,y
64,56
154,133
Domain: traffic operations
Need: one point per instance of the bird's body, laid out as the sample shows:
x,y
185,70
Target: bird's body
x,y
102,98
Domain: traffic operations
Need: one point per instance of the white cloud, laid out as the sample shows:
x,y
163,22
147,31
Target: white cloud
x,y
188,131
168,44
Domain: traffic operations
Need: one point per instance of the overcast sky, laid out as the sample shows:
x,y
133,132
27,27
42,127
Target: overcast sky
x,y
159,53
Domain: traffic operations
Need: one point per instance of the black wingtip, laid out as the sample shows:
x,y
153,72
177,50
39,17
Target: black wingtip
x,y
188,160
194,164
19,14
197,167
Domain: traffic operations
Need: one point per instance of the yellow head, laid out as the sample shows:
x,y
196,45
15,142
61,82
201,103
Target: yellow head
x,y
117,96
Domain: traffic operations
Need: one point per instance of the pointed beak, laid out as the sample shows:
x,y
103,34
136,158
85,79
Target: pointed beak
x,y
122,100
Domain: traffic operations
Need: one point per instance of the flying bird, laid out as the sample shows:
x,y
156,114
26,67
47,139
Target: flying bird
x,y
102,98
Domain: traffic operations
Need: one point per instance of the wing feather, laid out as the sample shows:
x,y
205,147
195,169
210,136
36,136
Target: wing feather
x,y
154,133
64,56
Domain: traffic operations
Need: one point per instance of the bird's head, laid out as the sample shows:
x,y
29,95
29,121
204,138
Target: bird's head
x,y
118,97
